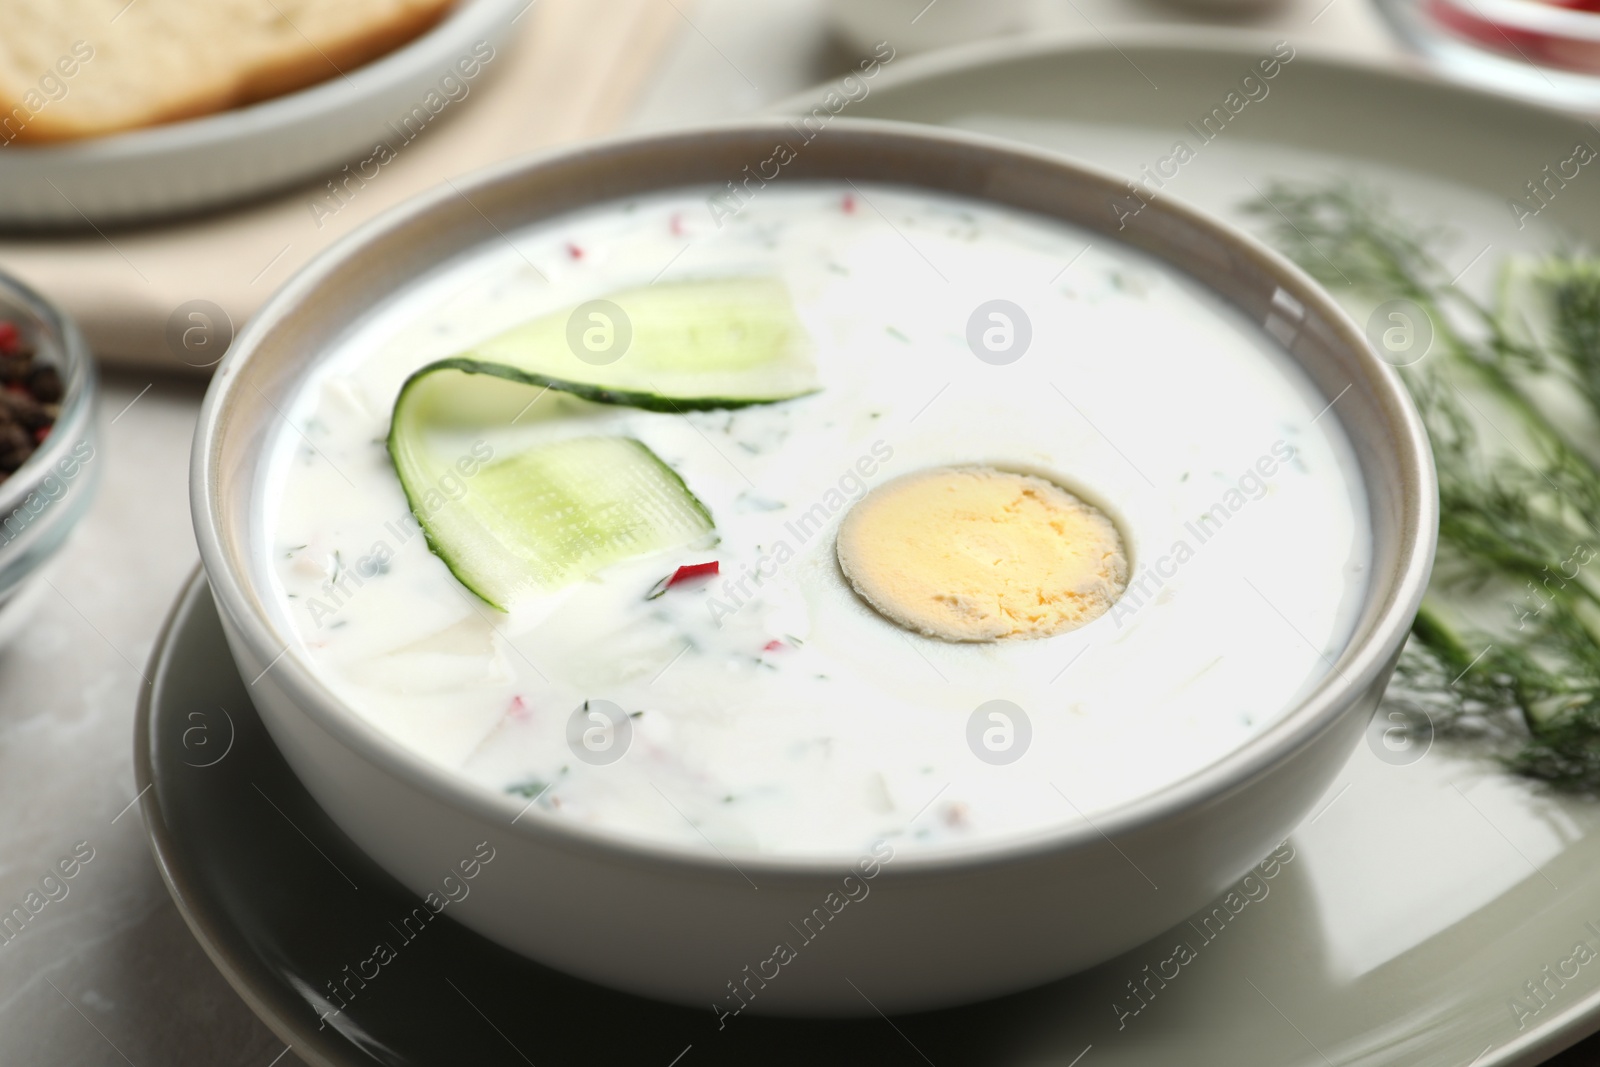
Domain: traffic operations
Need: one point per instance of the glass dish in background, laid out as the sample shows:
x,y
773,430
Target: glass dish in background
x,y
44,498
1544,50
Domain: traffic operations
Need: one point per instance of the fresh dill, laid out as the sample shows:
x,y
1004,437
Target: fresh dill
x,y
1506,648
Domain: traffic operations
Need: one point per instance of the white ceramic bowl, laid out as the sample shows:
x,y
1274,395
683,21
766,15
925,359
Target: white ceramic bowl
x,y
682,923
201,163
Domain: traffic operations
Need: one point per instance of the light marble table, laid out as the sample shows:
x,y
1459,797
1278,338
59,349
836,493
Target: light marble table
x,y
109,974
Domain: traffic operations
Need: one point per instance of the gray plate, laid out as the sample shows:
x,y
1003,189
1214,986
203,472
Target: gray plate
x,y
1422,896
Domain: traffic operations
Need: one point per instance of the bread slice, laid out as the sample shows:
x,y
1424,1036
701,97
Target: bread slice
x,y
84,68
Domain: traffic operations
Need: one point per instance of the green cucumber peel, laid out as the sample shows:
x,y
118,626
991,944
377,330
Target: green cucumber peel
x,y
673,346
557,512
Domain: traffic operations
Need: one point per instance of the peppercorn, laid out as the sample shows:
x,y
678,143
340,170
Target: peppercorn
x,y
30,397
16,445
44,382
24,409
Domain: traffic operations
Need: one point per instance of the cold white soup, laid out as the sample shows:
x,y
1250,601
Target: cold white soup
x,y
859,513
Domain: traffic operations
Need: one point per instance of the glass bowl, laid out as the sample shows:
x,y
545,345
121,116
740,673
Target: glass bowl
x,y
1544,50
43,499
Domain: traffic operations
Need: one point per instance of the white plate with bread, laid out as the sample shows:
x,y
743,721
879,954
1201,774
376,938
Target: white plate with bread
x,y
117,111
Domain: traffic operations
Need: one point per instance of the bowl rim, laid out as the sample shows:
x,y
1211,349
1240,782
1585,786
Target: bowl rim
x,y
80,385
1361,662
368,82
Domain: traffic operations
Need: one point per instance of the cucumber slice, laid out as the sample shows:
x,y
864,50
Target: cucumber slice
x,y
547,516
674,346
556,513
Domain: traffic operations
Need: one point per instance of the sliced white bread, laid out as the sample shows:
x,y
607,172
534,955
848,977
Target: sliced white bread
x,y
83,68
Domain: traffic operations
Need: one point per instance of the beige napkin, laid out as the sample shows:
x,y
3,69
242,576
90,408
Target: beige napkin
x,y
571,70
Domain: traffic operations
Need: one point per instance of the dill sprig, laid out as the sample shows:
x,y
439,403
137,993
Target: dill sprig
x,y
1507,646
